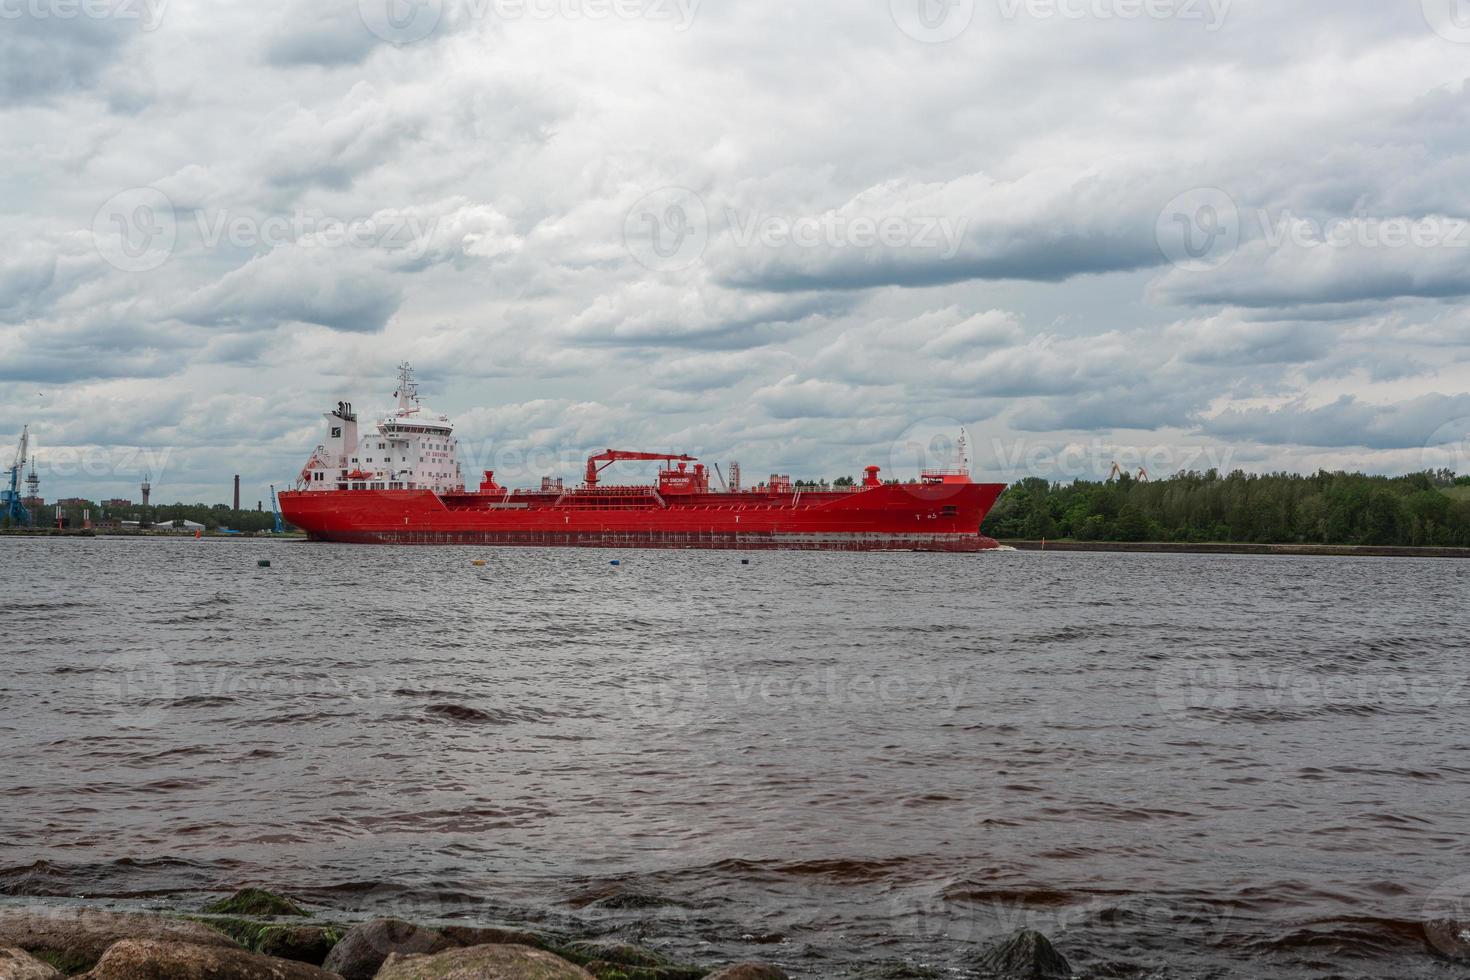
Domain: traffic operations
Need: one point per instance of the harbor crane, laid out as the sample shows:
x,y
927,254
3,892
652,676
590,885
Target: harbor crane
x,y
609,456
1118,471
12,512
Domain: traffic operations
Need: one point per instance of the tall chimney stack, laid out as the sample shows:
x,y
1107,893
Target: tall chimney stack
x,y
237,493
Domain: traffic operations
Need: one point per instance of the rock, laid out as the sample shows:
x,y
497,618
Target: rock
x,y
146,959
1027,955
623,961
494,962
623,954
73,939
1451,938
245,932
17,964
363,949
304,944
254,901
494,936
749,971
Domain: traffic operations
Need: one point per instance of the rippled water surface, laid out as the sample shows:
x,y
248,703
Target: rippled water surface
x,y
1177,765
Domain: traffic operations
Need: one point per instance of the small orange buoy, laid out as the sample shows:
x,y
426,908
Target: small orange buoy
x,y
478,563
198,533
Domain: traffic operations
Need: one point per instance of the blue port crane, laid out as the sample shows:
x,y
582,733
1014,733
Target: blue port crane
x,y
276,510
12,512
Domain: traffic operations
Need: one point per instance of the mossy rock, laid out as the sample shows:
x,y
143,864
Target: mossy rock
x,y
283,940
625,961
245,932
255,901
67,961
603,970
304,944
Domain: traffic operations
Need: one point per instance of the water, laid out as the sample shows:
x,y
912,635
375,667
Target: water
x,y
1172,765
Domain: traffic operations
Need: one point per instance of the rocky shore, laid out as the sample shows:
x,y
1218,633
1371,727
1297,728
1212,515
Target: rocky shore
x,y
260,935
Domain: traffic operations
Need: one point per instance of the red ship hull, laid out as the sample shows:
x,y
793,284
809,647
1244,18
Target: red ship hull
x,y
892,517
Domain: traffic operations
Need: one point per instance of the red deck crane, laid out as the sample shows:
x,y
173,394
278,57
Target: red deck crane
x,y
609,456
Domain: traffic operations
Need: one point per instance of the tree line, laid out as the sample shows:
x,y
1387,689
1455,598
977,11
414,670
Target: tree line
x,y
1426,509
212,516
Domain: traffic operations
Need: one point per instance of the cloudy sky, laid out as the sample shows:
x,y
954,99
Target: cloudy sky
x,y
805,235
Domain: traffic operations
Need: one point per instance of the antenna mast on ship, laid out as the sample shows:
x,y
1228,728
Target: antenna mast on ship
x,y
962,452
408,390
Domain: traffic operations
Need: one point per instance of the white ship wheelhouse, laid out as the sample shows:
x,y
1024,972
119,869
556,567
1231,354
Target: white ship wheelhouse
x,y
412,449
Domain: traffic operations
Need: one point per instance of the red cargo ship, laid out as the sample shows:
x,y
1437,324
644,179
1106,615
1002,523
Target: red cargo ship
x,y
402,485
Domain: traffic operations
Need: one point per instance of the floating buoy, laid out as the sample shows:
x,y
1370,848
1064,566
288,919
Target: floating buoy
x,y
745,561
264,563
478,563
615,562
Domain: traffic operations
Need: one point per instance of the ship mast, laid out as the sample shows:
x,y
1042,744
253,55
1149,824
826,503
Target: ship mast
x,y
408,390
962,452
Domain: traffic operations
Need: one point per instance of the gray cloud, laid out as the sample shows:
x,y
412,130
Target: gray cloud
x,y
1049,314
1347,421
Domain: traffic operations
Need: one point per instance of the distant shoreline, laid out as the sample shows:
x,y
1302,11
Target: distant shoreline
x,y
109,532
1190,548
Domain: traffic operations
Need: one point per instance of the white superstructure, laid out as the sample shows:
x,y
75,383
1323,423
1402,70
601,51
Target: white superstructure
x,y
413,449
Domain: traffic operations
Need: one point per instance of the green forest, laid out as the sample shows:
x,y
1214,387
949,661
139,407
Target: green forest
x,y
1421,509
212,516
